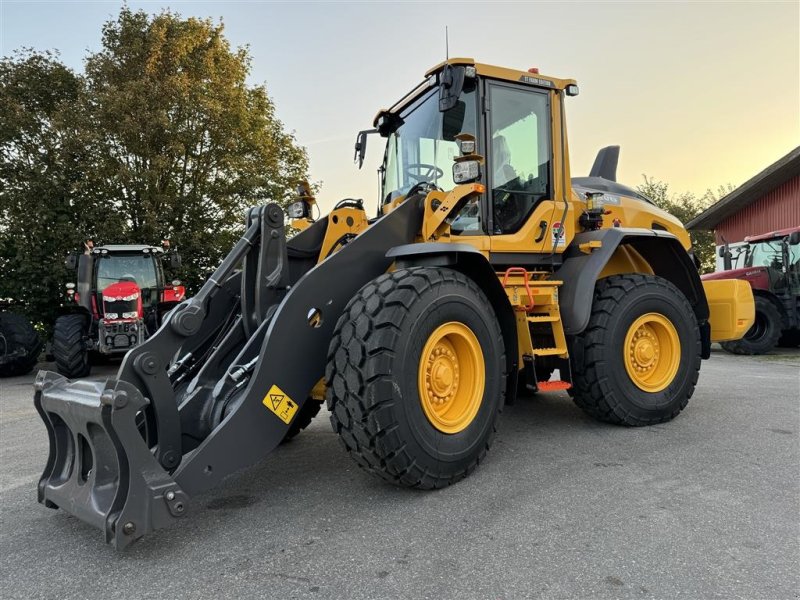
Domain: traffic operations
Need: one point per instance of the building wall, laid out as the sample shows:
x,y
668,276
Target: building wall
x,y
778,209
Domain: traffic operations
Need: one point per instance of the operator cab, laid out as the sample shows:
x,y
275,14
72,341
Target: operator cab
x,y
512,125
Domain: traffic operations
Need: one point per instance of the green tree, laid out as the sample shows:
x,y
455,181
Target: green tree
x,y
162,137
42,162
184,144
686,206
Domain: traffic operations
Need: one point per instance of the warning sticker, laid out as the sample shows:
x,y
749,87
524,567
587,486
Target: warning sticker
x,y
558,235
279,403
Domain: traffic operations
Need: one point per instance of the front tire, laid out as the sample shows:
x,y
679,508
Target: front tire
x,y
20,345
763,336
641,352
69,348
416,372
308,411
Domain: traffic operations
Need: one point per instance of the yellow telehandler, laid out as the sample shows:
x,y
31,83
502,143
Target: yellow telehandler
x,y
486,269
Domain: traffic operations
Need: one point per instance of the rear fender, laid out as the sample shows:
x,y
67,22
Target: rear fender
x,y
469,261
585,263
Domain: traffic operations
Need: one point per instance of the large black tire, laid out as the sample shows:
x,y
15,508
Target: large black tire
x,y
69,347
307,413
790,338
373,369
602,386
763,336
20,345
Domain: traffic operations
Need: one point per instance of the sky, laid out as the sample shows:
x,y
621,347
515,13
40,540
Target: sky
x,y
698,94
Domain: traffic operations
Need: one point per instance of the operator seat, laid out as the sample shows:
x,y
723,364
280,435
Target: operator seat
x,y
501,159
508,205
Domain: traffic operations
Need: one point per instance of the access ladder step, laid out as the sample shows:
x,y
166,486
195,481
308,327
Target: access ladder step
x,y
544,319
549,351
554,386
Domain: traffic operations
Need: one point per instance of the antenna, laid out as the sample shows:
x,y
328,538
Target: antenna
x,y
446,45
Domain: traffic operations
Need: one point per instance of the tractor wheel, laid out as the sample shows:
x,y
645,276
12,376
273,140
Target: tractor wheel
x,y
641,352
790,338
19,345
416,372
69,350
307,413
763,335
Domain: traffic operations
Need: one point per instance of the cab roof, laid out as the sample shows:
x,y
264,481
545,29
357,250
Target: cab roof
x,y
129,248
530,77
772,235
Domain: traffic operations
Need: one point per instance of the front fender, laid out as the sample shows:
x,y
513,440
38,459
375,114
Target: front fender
x,y
470,261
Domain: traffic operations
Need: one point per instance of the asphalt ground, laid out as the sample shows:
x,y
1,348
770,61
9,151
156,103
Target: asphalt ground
x,y
707,506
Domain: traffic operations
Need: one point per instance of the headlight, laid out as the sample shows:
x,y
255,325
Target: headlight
x,y
130,315
466,171
133,296
297,210
112,315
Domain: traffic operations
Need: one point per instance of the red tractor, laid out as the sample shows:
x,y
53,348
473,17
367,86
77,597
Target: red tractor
x,y
771,263
118,300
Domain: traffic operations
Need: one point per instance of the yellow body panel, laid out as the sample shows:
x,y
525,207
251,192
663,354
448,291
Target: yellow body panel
x,y
341,222
731,306
626,260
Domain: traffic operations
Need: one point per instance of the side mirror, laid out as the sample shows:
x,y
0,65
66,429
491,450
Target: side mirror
x,y
721,252
361,146
451,84
794,238
175,260
71,261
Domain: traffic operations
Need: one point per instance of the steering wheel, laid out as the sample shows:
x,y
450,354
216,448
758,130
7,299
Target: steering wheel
x,y
431,172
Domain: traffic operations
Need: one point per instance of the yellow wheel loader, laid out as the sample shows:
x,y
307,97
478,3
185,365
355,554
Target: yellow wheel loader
x,y
485,270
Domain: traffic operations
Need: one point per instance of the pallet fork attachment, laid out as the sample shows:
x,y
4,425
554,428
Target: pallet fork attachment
x,y
215,389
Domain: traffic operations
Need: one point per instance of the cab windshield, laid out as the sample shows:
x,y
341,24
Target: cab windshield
x,y
765,254
422,150
136,268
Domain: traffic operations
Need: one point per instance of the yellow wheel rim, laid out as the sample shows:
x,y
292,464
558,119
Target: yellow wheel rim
x,y
652,352
452,377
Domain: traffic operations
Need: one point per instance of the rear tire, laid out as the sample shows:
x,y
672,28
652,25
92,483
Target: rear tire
x,y
19,343
661,380
69,348
763,336
790,338
381,355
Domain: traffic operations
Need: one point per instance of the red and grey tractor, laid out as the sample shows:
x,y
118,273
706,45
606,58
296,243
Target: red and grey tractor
x,y
118,300
771,263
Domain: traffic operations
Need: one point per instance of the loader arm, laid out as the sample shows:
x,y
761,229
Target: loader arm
x,y
215,389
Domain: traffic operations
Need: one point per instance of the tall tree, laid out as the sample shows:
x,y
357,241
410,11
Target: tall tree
x,y
161,137
687,206
43,159
184,144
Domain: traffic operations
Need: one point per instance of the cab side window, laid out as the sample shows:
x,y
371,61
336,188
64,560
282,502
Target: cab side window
x,y
519,143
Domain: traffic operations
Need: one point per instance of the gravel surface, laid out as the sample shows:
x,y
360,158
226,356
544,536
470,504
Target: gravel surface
x,y
707,506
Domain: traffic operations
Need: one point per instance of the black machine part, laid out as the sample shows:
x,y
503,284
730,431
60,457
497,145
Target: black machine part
x,y
126,453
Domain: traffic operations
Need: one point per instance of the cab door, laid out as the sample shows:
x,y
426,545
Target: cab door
x,y
519,171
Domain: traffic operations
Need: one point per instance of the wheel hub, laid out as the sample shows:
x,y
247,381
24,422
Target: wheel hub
x,y
451,377
442,373
652,352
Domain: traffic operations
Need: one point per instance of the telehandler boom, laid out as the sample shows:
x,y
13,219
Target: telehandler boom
x,y
486,269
